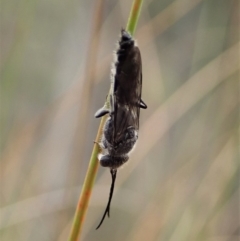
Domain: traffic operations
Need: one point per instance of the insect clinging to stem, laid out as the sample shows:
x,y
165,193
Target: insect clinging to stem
x,y
120,131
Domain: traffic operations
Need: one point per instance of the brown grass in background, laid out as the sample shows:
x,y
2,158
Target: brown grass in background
x,y
182,182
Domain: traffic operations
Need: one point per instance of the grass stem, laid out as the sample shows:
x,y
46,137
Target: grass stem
x,y
93,164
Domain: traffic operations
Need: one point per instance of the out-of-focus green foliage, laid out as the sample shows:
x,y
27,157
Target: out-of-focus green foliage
x,y
182,182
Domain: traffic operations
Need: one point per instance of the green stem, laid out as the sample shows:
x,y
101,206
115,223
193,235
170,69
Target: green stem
x,y
93,164
87,188
133,17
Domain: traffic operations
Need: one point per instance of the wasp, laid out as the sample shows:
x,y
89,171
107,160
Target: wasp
x,y
120,132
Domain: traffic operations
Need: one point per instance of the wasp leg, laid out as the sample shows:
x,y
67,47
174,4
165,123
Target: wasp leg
x,y
143,105
101,112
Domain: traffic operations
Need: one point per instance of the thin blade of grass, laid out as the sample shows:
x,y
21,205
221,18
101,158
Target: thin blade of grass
x,y
93,164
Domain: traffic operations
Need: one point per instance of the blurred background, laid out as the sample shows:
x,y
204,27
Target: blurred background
x,y
182,180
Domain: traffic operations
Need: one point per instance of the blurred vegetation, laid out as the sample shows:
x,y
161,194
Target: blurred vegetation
x,y
182,182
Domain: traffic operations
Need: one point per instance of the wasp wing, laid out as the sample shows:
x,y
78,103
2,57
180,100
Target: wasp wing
x,y
127,87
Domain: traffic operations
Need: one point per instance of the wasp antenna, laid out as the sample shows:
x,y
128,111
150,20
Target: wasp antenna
x,y
107,210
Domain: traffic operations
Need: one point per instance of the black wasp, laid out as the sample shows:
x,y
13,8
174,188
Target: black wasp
x,y
120,132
